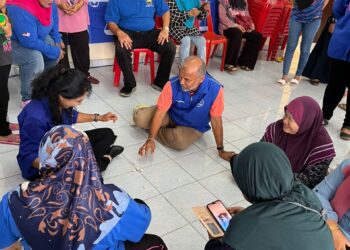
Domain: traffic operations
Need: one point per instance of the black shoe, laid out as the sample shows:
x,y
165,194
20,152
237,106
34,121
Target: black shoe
x,y
115,150
127,91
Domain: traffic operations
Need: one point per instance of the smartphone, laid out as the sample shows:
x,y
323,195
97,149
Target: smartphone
x,y
220,214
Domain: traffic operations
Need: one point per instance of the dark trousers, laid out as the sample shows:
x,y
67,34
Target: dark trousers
x,y
339,79
148,241
101,139
148,40
4,99
250,50
79,46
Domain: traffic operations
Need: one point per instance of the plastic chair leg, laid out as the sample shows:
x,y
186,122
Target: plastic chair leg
x,y
117,72
223,57
208,52
136,61
151,66
214,50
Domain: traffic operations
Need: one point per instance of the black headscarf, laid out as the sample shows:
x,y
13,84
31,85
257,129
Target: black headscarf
x,y
285,214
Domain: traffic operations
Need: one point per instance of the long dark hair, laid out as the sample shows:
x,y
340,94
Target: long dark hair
x,y
60,81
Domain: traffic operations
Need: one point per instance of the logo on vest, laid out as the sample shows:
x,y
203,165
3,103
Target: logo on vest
x,y
149,3
179,101
200,104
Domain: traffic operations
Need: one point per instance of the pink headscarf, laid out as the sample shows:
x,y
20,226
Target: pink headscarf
x,y
311,144
34,8
341,200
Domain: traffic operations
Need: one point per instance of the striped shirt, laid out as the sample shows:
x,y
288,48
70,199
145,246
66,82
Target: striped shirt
x,y
309,14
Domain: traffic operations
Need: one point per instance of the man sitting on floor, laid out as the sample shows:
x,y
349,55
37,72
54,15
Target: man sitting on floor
x,y
184,108
133,26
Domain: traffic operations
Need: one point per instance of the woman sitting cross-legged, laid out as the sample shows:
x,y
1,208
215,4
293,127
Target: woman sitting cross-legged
x,y
182,29
333,193
70,207
236,24
302,137
55,94
285,214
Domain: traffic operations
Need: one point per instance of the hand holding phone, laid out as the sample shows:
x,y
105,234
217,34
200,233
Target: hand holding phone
x,y
220,213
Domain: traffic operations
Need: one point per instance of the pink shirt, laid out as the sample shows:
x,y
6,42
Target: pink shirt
x,y
77,22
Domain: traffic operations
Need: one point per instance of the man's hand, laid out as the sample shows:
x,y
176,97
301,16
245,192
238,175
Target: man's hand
x,y
124,39
235,210
226,155
163,37
108,117
150,145
331,28
61,55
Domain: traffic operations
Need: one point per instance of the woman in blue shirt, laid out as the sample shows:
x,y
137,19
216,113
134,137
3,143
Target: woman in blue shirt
x,y
55,94
339,79
333,193
70,207
36,41
305,19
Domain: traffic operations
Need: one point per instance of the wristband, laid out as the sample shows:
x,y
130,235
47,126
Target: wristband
x,y
220,148
151,139
96,116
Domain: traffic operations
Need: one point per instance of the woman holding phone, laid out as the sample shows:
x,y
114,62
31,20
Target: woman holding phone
x,y
284,214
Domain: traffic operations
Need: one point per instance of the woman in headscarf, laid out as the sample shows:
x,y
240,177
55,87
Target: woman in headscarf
x,y
284,213
182,18
56,93
333,193
301,135
236,24
36,41
70,207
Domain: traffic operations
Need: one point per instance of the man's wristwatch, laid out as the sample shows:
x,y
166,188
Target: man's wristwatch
x,y
166,28
220,148
96,116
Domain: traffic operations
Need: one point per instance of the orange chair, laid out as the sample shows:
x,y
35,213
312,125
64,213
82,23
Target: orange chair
x,y
214,40
136,52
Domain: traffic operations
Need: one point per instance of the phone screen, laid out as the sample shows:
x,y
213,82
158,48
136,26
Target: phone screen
x,y
220,213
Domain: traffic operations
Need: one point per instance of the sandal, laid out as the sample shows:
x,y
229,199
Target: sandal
x,y
342,106
343,135
11,139
281,82
294,81
314,82
230,68
245,68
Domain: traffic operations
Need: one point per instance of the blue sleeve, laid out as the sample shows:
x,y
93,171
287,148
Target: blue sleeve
x,y
112,12
55,34
7,236
339,8
161,7
25,28
132,226
326,189
31,132
75,116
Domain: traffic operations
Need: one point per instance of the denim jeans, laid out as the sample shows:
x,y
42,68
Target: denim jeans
x,y
325,192
185,47
308,31
30,62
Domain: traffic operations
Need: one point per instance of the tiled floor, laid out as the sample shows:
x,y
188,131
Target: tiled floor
x,y
172,182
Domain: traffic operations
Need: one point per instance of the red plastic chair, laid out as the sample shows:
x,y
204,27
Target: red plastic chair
x,y
136,52
282,34
212,39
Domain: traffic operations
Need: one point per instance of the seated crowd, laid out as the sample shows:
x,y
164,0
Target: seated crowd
x,y
296,202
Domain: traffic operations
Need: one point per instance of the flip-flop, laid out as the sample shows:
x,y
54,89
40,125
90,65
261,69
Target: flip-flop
x,y
294,82
11,139
345,136
230,68
14,126
342,106
246,68
314,82
281,82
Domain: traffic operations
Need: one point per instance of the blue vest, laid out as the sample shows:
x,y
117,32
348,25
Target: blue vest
x,y
193,111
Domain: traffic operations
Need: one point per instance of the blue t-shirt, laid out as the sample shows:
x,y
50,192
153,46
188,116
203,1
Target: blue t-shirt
x,y
135,15
34,121
309,14
339,45
31,34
